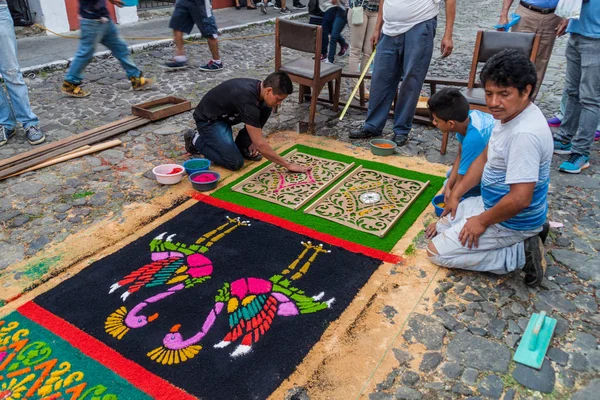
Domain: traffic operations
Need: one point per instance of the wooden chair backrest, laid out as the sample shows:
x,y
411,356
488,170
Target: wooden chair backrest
x,y
301,37
489,43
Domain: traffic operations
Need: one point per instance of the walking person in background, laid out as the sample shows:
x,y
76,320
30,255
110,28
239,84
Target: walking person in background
x,y
556,121
362,19
96,27
186,14
15,86
334,20
404,37
537,16
582,87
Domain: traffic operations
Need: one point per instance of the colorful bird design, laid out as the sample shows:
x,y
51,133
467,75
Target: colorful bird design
x,y
172,264
252,304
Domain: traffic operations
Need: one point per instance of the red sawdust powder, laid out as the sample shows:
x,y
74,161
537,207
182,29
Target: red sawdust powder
x,y
203,178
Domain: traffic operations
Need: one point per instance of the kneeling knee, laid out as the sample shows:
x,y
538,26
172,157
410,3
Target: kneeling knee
x,y
432,251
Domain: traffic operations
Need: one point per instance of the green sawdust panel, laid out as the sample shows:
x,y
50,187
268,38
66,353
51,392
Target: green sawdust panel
x,y
35,363
319,224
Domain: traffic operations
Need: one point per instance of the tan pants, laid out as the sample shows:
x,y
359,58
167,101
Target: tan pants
x,y
545,26
360,40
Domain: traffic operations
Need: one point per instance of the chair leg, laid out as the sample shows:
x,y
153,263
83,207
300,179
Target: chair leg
x,y
336,96
301,94
444,143
330,90
361,91
313,105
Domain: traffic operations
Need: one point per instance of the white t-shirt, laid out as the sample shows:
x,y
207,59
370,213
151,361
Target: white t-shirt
x,y
519,151
400,16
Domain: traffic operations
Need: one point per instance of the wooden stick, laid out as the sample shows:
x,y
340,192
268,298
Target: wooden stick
x,y
73,154
362,76
4,173
59,143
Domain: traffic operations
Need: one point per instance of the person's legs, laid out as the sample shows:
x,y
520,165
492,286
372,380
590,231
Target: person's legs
x,y
570,121
339,22
92,31
357,38
13,79
215,142
545,26
500,250
181,22
417,52
205,20
589,95
112,40
328,18
386,76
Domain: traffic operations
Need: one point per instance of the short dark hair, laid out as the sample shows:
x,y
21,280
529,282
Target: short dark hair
x,y
510,68
449,105
280,82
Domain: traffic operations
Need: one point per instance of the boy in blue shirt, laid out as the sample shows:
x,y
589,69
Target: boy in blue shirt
x,y
450,113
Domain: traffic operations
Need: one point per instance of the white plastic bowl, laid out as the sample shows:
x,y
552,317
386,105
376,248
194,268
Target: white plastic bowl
x,y
162,176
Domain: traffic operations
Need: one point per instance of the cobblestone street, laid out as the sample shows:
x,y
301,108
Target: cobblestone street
x,y
471,327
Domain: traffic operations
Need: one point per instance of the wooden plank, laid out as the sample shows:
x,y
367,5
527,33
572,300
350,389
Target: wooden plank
x,y
333,189
82,151
69,147
59,143
161,108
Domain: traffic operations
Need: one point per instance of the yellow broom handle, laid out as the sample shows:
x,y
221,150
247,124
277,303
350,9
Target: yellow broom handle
x,y
362,76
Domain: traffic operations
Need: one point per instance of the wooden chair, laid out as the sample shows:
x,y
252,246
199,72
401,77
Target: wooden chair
x,y
309,73
487,44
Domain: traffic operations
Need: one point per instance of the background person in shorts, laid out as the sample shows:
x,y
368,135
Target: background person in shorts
x,y
186,14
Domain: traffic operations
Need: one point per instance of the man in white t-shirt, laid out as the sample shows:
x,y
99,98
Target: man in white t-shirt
x,y
404,37
502,230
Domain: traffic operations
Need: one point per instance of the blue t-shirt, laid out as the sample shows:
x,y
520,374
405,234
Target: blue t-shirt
x,y
519,151
588,24
473,143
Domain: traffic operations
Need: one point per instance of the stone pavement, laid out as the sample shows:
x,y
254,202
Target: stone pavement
x,y
471,326
42,50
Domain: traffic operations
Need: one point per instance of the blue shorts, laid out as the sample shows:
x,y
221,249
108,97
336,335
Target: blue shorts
x,y
190,12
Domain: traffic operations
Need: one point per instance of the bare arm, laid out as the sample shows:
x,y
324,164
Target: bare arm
x,y
515,201
266,150
378,25
447,43
506,4
471,179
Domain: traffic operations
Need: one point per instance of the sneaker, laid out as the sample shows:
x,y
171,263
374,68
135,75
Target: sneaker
x,y
285,11
554,122
140,83
34,135
596,136
562,148
326,61
544,233
401,140
212,66
270,4
299,6
575,164
362,134
246,154
6,134
343,50
263,8
188,136
73,90
535,262
174,64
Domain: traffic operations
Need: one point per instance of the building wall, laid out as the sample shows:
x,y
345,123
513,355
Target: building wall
x,y
51,13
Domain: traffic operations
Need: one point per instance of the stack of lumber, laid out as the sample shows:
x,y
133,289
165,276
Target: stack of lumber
x,y
68,148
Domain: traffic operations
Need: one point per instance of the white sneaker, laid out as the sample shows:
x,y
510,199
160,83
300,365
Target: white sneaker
x,y
270,4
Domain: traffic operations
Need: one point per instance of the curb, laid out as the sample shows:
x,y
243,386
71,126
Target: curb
x,y
54,65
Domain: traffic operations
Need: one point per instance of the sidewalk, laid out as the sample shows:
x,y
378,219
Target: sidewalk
x,y
52,51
